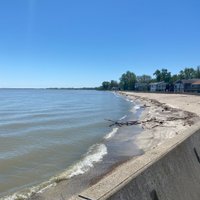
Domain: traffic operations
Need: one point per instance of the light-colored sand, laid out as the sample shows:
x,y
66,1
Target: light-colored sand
x,y
185,102
174,111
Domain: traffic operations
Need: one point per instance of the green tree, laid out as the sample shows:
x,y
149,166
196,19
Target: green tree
x,y
113,84
166,76
162,75
144,79
181,75
157,74
187,73
105,85
174,78
197,73
127,81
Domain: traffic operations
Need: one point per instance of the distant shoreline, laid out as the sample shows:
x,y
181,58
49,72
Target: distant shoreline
x,y
84,88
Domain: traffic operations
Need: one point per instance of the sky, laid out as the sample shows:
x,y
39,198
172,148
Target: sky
x,y
81,43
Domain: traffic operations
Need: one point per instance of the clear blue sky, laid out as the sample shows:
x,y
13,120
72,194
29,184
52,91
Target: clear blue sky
x,y
75,43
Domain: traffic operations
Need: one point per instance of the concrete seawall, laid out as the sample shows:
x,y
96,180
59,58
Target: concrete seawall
x,y
169,172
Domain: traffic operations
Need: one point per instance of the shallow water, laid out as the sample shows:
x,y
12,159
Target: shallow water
x,y
44,133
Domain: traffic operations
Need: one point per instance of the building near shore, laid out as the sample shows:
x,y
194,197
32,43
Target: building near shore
x,y
158,86
190,85
153,87
196,86
141,86
115,88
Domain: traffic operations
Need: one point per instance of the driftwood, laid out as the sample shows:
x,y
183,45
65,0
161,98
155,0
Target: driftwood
x,y
144,106
133,122
176,118
157,122
120,123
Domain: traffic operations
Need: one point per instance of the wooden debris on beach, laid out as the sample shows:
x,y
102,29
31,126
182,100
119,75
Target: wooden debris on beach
x,y
144,106
153,121
133,122
165,115
120,123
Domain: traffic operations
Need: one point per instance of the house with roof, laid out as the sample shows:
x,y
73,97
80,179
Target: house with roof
x,y
153,87
141,86
196,86
189,85
158,86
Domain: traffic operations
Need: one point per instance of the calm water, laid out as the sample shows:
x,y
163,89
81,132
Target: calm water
x,y
44,133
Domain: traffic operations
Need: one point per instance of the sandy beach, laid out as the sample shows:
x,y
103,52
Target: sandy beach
x,y
169,115
190,103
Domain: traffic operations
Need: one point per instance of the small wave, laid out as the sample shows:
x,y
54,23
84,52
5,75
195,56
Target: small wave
x,y
123,117
27,193
136,107
95,154
117,95
129,100
15,196
111,134
47,187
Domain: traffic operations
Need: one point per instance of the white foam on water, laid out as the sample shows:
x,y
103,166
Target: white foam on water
x,y
27,193
95,154
123,117
14,196
116,94
111,134
47,187
129,100
136,107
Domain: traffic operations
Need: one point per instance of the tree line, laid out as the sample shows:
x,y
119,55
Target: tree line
x,y
128,80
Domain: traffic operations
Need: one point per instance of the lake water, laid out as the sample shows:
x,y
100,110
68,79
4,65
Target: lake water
x,y
60,134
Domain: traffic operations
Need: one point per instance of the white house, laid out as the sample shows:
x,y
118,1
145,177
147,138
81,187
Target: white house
x,y
141,86
153,87
158,86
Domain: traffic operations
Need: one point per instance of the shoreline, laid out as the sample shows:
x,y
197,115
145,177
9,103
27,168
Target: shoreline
x,y
153,135
95,174
56,185
175,122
